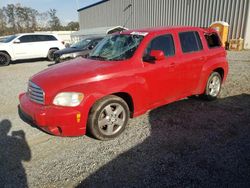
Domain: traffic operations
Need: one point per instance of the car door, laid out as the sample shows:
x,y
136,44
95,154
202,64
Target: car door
x,y
160,75
191,60
23,48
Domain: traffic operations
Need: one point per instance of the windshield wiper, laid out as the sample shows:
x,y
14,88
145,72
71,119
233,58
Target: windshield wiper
x,y
98,57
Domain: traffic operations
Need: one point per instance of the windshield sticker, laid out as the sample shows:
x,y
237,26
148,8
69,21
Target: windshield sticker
x,y
139,33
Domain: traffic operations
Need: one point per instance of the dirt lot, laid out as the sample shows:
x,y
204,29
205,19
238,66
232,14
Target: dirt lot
x,y
190,143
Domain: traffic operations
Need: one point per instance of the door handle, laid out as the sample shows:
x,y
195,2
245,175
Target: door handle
x,y
202,58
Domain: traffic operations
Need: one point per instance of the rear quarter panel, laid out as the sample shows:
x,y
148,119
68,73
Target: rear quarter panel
x,y
215,58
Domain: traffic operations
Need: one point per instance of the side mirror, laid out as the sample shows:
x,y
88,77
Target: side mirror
x,y
90,47
155,55
67,45
17,41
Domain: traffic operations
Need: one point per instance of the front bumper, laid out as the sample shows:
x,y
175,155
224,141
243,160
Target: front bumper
x,y
60,121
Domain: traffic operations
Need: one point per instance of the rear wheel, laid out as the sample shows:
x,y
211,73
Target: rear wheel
x,y
213,86
4,59
50,55
108,118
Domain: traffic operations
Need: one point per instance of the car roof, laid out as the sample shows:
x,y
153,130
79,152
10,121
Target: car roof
x,y
22,34
164,29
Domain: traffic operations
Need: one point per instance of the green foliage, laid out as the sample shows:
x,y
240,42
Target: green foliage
x,y
73,26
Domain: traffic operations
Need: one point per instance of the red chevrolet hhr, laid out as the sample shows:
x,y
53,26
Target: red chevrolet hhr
x,y
127,74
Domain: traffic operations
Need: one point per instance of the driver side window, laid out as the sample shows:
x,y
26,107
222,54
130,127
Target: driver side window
x,y
164,43
27,38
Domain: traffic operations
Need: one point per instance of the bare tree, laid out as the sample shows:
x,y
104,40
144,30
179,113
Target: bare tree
x,y
54,21
26,18
3,28
10,14
42,21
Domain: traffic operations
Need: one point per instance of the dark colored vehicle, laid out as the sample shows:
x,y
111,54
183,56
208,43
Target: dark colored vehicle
x,y
79,49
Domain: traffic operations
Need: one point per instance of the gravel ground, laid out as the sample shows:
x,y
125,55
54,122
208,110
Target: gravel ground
x,y
189,143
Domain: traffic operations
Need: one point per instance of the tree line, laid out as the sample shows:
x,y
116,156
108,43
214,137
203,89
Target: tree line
x,y
15,18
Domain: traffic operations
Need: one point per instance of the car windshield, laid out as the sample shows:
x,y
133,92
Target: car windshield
x,y
116,47
8,38
81,44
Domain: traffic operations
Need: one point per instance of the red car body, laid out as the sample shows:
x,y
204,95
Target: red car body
x,y
142,85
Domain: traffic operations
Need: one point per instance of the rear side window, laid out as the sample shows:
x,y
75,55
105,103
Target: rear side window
x,y
190,41
164,43
213,40
40,38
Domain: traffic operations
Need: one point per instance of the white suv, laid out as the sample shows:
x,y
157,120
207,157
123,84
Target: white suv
x,y
28,46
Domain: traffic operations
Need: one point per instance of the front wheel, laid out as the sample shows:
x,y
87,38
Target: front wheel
x,y
213,86
4,59
108,118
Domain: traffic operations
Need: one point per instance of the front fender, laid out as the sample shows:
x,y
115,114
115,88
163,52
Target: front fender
x,y
134,86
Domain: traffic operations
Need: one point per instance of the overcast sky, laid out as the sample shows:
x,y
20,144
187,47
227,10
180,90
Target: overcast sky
x,y
66,9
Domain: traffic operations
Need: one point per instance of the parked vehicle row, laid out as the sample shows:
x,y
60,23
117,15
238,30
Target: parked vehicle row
x,y
28,46
126,75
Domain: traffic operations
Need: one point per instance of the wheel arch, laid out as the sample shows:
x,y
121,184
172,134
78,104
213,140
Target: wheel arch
x,y
128,99
221,71
49,53
123,95
3,51
54,48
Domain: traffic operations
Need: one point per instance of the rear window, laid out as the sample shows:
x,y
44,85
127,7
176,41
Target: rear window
x,y
213,40
50,37
190,41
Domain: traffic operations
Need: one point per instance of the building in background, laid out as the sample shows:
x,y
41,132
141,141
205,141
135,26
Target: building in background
x,y
97,31
151,13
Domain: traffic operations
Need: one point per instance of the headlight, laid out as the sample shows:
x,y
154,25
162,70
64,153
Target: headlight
x,y
65,56
68,99
70,55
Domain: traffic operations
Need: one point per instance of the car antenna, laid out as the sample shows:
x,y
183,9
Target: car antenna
x,y
129,16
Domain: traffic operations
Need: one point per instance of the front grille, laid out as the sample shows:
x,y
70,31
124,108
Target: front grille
x,y
35,93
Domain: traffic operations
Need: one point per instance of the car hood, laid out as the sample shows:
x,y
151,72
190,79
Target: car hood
x,y
68,50
74,72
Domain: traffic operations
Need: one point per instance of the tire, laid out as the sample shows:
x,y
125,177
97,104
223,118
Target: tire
x,y
4,59
50,55
104,123
57,60
213,86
